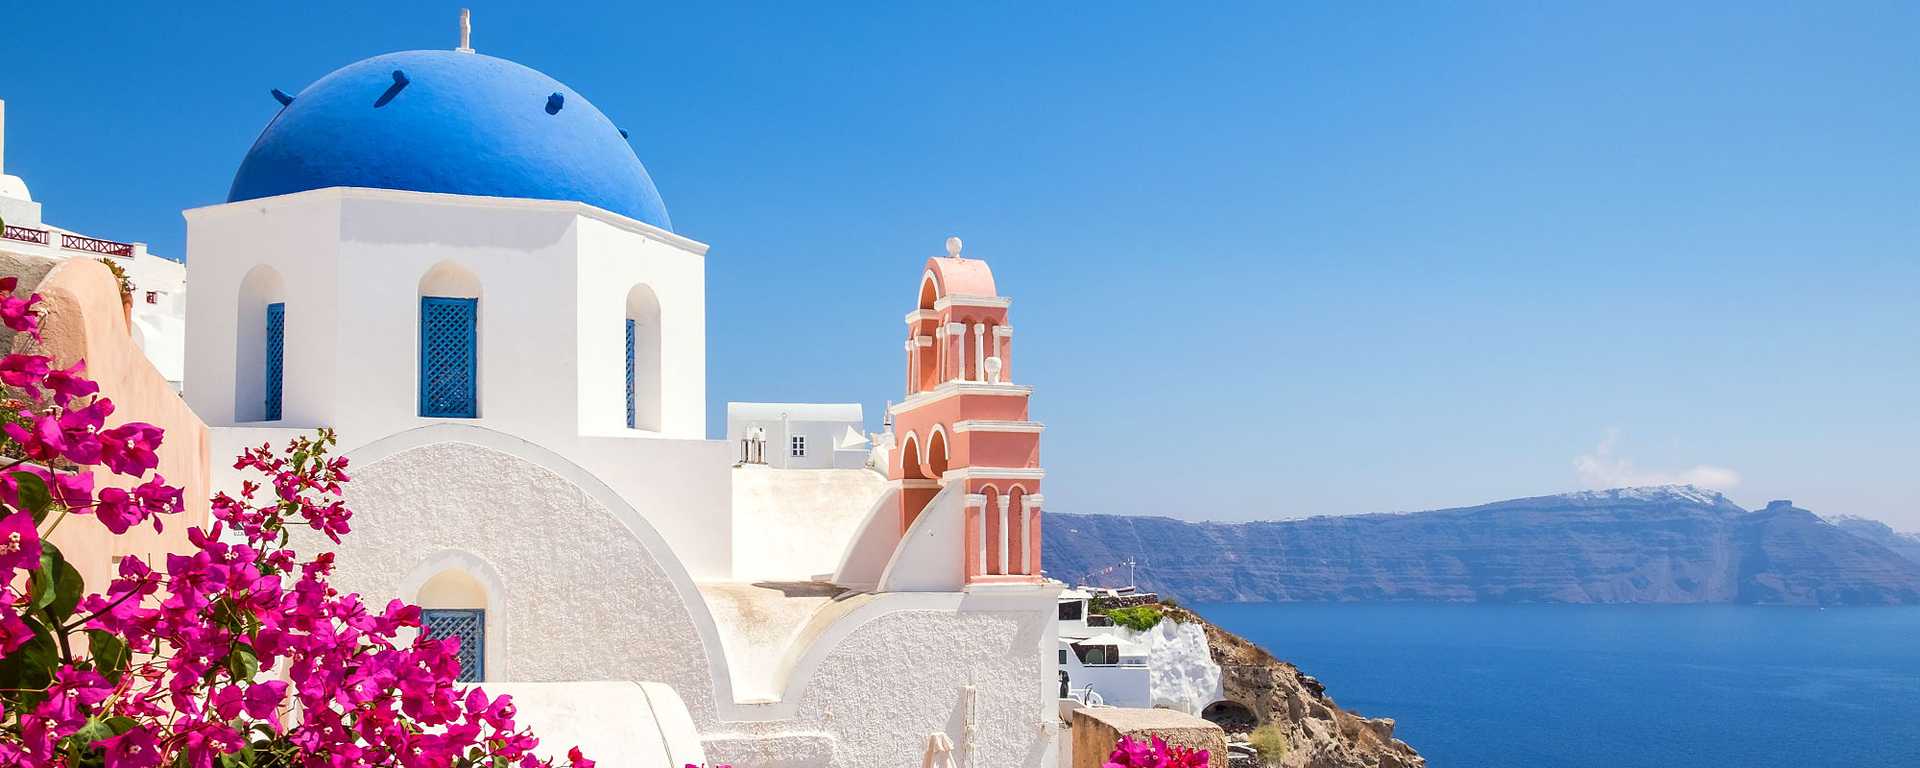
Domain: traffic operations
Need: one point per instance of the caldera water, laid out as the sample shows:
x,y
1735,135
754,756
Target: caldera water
x,y
1628,686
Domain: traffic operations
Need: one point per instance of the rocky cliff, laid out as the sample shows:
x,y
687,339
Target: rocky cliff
x,y
1907,545
1674,544
1319,733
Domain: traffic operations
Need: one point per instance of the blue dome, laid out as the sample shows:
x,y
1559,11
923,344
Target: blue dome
x,y
444,121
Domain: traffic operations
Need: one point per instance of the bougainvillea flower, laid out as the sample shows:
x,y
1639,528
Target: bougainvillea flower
x,y
19,543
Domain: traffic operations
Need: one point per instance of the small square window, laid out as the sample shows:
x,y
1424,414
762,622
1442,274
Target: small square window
x,y
153,297
1063,655
798,444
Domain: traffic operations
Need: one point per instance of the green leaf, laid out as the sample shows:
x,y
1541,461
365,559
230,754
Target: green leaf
x,y
57,585
121,724
42,589
242,662
33,494
94,730
31,666
110,654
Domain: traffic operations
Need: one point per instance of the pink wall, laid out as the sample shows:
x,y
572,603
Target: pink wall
x,y
85,319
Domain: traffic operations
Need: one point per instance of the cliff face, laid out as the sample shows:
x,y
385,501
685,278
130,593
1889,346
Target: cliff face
x,y
1319,733
1660,545
1906,545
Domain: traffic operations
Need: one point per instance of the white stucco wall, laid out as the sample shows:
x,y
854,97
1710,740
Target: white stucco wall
x,y
616,724
794,524
612,260
553,279
553,284
587,591
1182,671
931,554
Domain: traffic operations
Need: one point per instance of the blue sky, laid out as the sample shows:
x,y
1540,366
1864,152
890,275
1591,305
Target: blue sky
x,y
1269,260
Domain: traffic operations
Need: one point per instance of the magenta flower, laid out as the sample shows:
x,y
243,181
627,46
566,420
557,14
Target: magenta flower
x,y
17,313
136,748
69,383
201,663
19,544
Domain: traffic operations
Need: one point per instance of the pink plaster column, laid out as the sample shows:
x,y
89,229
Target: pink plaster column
x,y
1013,509
979,353
1032,502
974,542
1004,334
913,367
1004,542
956,352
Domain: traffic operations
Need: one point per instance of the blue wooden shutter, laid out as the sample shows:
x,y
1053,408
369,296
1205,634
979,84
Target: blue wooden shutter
x,y
447,372
631,420
276,357
469,625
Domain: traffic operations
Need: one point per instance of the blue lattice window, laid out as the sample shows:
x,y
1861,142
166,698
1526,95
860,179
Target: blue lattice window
x,y
632,420
448,375
276,357
467,624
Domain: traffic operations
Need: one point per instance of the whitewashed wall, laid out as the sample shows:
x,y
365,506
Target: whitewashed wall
x,y
553,276
587,592
553,279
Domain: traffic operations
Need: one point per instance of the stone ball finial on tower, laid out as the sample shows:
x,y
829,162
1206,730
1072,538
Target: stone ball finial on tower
x,y
953,247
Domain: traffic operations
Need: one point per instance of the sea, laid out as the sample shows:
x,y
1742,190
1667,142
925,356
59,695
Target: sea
x,y
1613,686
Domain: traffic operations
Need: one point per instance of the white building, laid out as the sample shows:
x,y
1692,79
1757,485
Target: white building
x,y
799,435
1168,666
158,308
1102,664
460,265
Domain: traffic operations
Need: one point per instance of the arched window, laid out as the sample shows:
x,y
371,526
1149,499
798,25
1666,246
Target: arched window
x,y
643,359
454,604
449,342
910,468
259,355
937,455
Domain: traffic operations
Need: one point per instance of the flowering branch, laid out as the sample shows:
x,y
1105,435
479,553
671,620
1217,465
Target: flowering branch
x,y
235,653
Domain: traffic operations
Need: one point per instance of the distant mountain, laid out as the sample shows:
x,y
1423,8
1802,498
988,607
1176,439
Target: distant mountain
x,y
1907,544
1674,544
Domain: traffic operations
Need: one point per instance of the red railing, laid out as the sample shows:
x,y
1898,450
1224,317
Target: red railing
x,y
25,235
69,242
91,245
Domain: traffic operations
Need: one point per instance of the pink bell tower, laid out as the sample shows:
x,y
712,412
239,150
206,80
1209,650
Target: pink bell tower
x,y
964,422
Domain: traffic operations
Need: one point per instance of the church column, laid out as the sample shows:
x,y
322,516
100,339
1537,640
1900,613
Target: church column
x,y
975,539
1032,502
979,352
1003,338
956,351
1006,566
913,366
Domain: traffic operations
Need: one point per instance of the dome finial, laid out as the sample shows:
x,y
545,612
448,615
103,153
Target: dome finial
x,y
953,247
466,31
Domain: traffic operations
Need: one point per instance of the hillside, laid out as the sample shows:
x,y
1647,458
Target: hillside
x,y
1905,544
1674,544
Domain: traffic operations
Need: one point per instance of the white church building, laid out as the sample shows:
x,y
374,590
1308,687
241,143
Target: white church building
x,y
461,265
